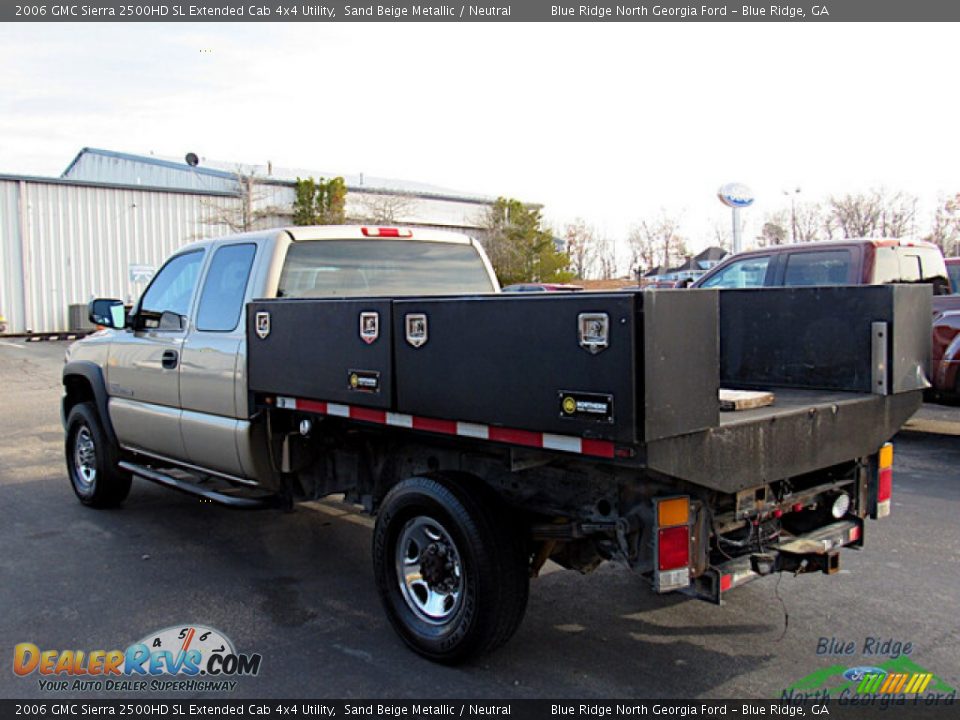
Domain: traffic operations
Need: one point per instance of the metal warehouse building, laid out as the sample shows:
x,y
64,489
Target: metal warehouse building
x,y
112,218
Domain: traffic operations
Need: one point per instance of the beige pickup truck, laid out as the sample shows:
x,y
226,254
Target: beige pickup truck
x,y
490,433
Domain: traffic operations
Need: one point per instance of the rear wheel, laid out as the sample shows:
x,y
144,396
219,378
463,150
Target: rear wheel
x,y
92,460
452,576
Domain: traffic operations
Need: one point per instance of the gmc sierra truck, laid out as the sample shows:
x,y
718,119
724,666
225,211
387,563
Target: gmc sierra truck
x,y
490,433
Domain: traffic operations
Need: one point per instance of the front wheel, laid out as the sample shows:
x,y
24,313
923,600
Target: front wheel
x,y
92,460
453,578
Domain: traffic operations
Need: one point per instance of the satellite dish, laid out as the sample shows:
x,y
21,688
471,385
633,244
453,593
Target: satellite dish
x,y
192,159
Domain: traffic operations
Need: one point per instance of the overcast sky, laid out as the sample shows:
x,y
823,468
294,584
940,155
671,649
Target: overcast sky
x,y
606,122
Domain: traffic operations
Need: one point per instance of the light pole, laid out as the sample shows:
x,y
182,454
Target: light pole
x,y
793,213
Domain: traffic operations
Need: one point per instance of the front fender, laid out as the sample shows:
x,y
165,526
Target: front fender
x,y
83,380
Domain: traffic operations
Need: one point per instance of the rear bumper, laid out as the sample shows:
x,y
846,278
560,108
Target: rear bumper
x,y
817,551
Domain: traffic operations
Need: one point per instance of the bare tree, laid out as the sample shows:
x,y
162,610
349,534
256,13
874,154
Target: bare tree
x,y
872,214
580,240
384,208
658,241
251,213
809,220
945,229
722,235
644,249
898,215
605,259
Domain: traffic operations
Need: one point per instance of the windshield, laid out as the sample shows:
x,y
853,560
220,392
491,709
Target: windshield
x,y
357,268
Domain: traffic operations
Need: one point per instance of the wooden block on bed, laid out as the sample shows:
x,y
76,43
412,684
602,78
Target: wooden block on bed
x,y
744,399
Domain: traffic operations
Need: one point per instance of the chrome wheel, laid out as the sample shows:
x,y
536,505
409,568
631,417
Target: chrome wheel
x,y
429,570
85,457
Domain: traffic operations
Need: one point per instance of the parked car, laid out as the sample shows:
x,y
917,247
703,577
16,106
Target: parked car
x,y
843,262
859,262
542,287
945,353
953,270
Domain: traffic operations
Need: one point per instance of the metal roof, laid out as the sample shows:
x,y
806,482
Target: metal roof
x,y
225,171
111,185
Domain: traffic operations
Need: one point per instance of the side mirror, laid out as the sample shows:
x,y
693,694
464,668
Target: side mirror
x,y
107,312
171,321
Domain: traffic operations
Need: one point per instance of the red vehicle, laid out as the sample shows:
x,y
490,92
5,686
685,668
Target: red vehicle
x,y
842,262
861,262
953,270
945,353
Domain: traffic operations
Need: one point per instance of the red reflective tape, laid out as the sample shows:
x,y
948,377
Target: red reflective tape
x,y
312,406
369,415
599,448
447,427
516,437
527,438
726,582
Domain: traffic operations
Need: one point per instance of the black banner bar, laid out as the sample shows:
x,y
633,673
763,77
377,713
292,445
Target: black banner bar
x,y
835,709
480,11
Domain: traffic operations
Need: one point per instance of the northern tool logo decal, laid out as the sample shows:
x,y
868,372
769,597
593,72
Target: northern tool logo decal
x,y
184,651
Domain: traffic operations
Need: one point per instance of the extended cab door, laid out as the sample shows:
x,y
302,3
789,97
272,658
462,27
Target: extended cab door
x,y
143,372
214,364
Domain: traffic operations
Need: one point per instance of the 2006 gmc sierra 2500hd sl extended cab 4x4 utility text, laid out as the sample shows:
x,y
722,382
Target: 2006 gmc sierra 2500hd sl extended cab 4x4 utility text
x,y
491,432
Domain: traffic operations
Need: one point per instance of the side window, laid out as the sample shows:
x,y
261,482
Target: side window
x,y
172,288
910,270
827,267
746,273
221,301
886,266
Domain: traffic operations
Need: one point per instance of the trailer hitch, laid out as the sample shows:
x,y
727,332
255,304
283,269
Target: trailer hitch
x,y
827,563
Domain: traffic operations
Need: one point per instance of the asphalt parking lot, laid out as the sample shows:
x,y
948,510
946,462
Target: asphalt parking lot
x,y
298,589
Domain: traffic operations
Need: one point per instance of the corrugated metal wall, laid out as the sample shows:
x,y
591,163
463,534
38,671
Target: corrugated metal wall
x,y
11,284
64,244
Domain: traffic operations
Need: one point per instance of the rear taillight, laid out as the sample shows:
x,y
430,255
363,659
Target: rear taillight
x,y
884,480
673,544
674,548
386,232
885,485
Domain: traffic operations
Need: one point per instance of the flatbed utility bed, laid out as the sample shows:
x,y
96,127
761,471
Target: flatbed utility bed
x,y
790,401
845,365
805,430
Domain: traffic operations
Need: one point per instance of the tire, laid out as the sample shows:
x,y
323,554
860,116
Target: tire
x,y
452,572
92,460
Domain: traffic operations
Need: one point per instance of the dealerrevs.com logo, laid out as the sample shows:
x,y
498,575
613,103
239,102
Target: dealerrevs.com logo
x,y
178,658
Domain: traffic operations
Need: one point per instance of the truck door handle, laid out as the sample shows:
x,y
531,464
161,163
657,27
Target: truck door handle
x,y
170,358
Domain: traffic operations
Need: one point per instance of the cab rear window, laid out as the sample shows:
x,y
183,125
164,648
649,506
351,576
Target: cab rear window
x,y
358,268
